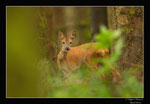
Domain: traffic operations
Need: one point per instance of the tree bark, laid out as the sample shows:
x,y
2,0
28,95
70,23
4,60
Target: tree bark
x,y
130,20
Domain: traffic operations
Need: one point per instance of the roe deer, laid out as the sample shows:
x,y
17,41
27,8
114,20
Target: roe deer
x,y
70,58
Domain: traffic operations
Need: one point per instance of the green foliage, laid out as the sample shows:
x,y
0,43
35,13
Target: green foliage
x,y
107,38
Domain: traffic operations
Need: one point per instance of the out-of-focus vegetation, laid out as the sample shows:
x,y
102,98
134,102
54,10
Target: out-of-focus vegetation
x,y
32,73
106,39
22,53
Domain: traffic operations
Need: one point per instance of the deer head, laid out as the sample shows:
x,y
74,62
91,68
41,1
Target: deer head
x,y
66,42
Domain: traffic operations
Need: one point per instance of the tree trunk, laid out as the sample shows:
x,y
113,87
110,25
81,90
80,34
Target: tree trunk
x,y
130,20
98,18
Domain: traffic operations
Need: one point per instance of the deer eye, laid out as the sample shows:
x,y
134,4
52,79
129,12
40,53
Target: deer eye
x,y
70,42
63,42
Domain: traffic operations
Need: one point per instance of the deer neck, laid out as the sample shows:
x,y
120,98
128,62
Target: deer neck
x,y
63,55
63,61
63,58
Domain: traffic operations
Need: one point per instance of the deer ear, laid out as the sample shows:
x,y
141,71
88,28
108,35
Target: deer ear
x,y
61,35
73,35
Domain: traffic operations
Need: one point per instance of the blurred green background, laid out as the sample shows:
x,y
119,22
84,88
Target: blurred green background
x,y
32,46
22,53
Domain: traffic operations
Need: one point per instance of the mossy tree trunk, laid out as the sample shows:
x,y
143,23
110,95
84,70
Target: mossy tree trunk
x,y
130,20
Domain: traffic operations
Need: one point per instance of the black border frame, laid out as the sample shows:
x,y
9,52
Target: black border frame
x,y
4,3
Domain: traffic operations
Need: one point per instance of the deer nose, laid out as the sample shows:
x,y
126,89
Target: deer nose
x,y
67,48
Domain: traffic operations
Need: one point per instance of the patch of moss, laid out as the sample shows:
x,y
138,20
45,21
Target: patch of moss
x,y
126,30
132,11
